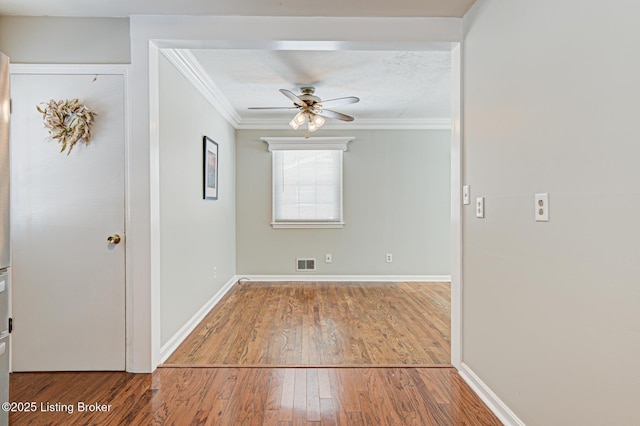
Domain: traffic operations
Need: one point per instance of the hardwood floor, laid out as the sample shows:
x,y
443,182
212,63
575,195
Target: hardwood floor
x,y
252,396
323,324
283,354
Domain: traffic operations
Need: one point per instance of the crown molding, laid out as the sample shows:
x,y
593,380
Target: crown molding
x,y
359,124
187,64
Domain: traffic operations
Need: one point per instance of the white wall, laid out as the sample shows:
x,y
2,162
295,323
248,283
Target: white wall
x,y
396,200
195,234
53,40
552,310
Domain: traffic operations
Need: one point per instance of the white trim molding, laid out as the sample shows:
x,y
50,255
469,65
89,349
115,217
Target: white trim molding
x,y
495,404
358,124
347,278
456,206
154,314
307,225
319,143
189,66
173,343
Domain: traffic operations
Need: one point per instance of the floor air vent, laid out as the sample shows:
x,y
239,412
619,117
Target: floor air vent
x,y
305,264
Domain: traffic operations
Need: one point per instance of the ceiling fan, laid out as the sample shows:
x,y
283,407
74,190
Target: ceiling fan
x,y
311,109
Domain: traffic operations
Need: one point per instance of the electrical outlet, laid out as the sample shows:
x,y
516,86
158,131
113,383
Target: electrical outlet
x,y
480,207
542,207
466,194
389,258
215,272
327,258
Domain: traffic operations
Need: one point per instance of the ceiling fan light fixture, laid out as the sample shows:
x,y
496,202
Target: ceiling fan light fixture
x,y
293,124
312,126
315,122
319,121
310,107
300,118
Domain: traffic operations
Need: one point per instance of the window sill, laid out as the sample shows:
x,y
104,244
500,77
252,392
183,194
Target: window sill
x,y
307,225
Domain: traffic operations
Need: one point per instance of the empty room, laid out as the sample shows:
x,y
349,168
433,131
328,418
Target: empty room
x,y
319,213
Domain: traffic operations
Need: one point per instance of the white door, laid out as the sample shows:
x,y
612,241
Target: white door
x,y
68,281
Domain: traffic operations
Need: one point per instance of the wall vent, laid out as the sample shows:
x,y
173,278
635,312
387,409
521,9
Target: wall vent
x,y
305,264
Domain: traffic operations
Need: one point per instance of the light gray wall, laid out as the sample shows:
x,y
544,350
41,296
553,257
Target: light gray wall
x,y
396,200
53,40
196,235
552,310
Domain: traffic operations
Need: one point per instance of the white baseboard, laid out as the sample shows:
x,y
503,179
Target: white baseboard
x,y
342,278
182,334
495,404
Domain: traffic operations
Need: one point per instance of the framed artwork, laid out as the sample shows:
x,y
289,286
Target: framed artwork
x,y
210,175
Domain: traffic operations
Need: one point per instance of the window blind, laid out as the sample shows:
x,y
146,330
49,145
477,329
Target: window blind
x,y
307,185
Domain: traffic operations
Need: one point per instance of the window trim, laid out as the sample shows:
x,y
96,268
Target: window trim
x,y
316,144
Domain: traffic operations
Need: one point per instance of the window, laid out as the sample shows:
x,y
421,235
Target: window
x,y
307,186
307,182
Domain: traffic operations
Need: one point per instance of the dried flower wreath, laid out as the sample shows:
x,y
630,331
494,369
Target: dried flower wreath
x,y
68,121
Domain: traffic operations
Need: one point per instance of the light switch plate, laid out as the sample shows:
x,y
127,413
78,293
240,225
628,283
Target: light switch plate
x,y
542,207
466,194
480,207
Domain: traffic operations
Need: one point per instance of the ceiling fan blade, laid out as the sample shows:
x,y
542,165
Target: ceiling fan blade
x,y
332,114
272,108
296,100
341,101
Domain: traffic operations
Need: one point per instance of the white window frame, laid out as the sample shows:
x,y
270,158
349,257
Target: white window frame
x,y
316,144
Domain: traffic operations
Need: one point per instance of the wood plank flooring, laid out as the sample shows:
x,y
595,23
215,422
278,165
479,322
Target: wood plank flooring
x,y
252,396
323,324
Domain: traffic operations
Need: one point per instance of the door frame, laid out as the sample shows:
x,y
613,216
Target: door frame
x,y
456,205
107,69
151,33
454,47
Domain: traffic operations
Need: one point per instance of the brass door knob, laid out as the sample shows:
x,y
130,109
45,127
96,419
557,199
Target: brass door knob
x,y
114,239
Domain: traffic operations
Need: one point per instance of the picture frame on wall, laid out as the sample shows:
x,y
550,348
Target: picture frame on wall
x,y
210,174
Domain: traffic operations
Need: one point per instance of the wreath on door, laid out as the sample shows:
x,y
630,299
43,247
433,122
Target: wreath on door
x,y
69,122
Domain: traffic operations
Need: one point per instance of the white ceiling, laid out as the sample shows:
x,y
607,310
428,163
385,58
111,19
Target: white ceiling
x,y
422,8
393,86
